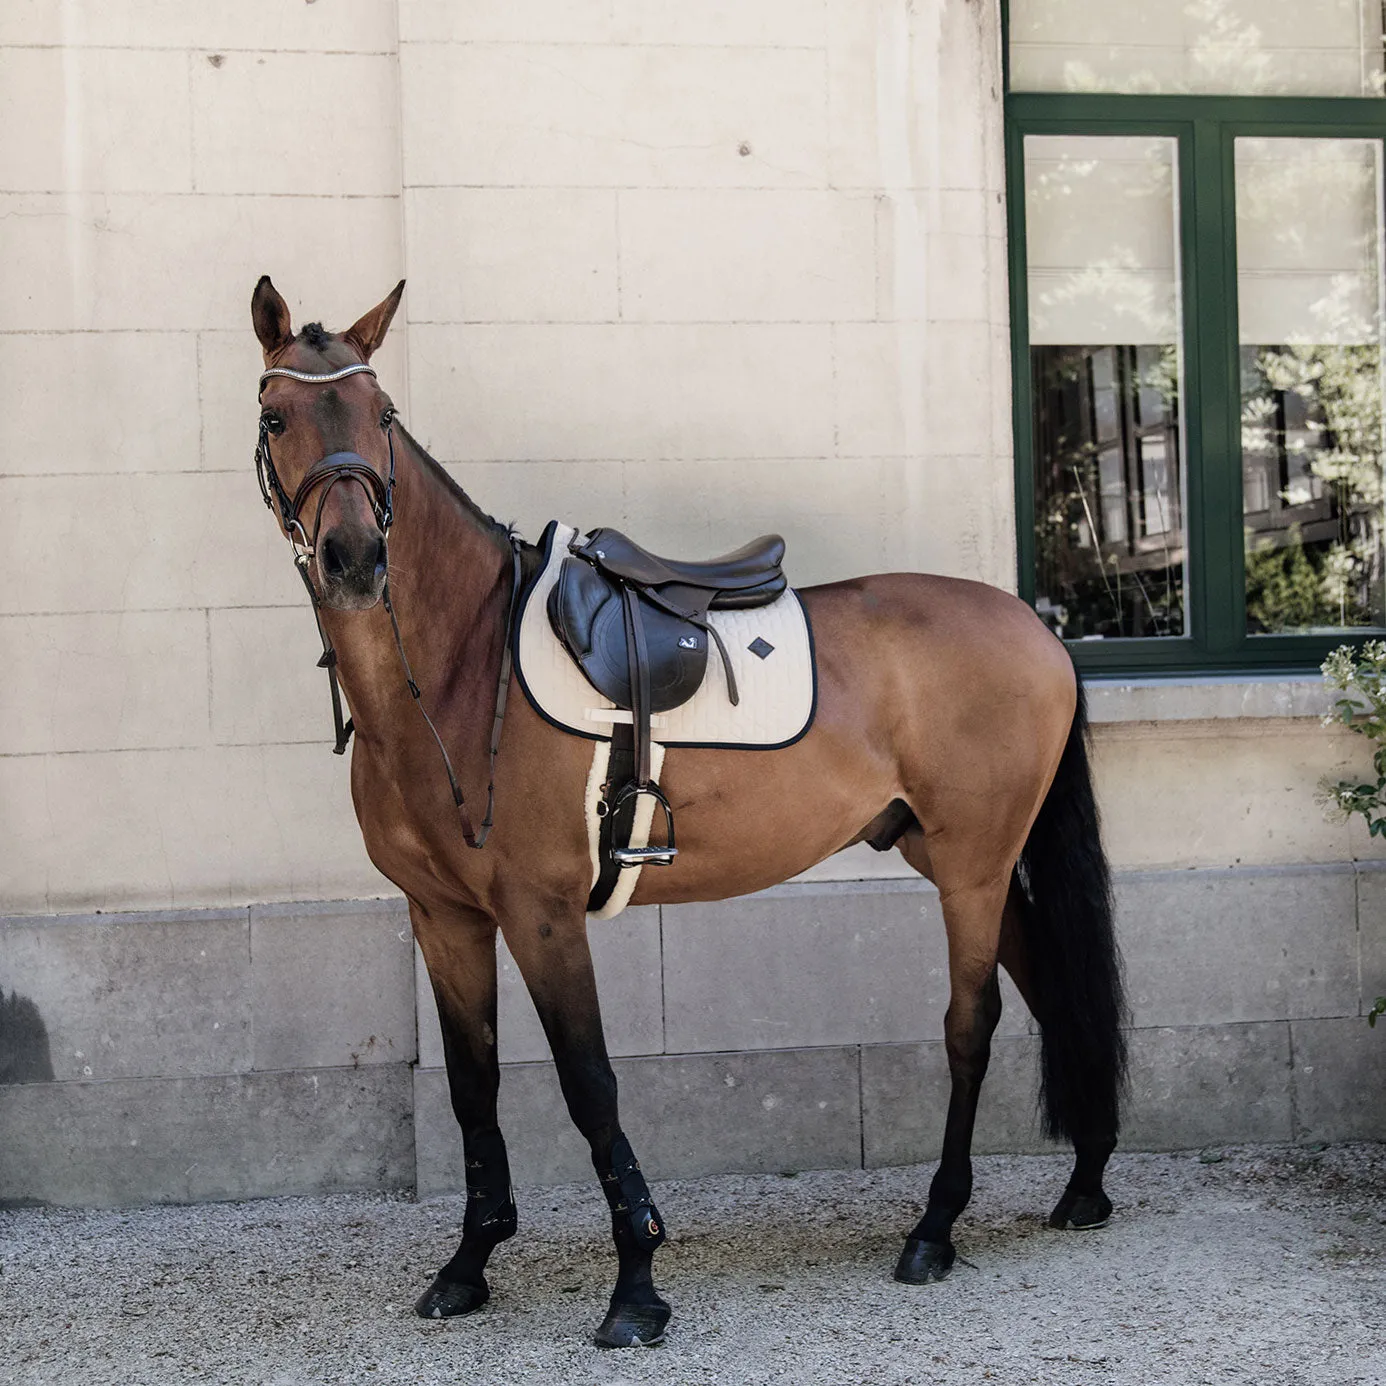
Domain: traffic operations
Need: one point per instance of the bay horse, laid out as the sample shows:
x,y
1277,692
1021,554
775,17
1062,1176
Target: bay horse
x,y
947,715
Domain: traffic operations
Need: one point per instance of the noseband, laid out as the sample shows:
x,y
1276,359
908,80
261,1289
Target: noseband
x,y
340,466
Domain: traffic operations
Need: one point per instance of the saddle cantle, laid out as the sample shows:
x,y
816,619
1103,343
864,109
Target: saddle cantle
x,y
637,626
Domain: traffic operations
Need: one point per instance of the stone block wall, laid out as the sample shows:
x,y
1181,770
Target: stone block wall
x,y
701,273
155,160
295,1049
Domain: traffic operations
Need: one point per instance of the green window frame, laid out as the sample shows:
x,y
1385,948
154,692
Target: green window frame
x,y
1206,128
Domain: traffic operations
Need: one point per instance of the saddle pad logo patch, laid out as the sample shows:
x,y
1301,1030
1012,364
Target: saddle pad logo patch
x,y
761,648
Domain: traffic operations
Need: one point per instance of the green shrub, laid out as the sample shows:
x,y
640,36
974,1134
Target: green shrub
x,y
1361,680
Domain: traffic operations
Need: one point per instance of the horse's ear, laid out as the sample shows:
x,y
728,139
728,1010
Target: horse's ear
x,y
367,333
270,314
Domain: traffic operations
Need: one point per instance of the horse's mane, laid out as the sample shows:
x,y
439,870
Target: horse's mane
x,y
488,524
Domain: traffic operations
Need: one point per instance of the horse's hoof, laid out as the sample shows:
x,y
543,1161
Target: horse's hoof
x,y
1082,1212
448,1299
921,1262
633,1325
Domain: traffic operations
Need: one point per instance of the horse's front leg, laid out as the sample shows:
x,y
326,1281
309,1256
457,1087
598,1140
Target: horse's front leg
x,y
459,947
550,947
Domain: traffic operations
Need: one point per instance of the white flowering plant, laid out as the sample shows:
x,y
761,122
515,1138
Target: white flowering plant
x,y
1360,678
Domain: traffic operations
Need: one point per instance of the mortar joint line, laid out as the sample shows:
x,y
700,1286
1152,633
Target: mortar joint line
x,y
663,1004
207,647
861,1105
1295,1128
192,132
201,404
620,289
403,217
250,982
837,394
1357,935
878,212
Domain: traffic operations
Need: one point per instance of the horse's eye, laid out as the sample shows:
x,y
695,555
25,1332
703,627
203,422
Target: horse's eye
x,y
387,418
274,423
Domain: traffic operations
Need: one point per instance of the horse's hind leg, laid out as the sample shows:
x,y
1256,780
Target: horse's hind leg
x,y
460,951
972,917
553,956
1084,1204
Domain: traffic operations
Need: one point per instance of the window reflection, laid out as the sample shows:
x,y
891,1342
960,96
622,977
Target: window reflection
x,y
1103,292
1215,47
1309,308
1311,482
1109,533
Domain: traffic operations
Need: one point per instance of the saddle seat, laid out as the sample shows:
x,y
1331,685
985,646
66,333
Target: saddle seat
x,y
746,577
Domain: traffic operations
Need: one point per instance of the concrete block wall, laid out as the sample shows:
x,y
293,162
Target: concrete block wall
x,y
294,1049
803,1028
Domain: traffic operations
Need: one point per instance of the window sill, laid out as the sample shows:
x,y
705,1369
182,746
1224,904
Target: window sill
x,y
1206,697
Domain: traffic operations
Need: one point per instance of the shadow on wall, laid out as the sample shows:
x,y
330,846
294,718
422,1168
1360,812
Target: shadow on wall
x,y
24,1053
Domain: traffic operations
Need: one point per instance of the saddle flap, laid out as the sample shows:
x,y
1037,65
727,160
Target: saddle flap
x,y
584,609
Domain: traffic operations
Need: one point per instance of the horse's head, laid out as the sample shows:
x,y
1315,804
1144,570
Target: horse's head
x,y
326,450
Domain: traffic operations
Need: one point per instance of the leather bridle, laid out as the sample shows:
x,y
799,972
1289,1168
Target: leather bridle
x,y
333,468
350,466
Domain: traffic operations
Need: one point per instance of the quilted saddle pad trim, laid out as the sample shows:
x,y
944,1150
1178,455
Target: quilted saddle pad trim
x,y
629,876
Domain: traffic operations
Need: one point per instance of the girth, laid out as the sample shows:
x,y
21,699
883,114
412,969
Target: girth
x,y
637,626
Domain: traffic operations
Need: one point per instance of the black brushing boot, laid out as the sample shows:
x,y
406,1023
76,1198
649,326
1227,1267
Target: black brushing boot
x,y
491,1218
637,1315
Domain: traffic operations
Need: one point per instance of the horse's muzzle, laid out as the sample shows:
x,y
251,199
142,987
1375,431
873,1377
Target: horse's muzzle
x,y
351,567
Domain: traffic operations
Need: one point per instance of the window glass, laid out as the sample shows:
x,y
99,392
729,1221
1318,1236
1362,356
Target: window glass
x,y
1216,47
1105,360
1309,295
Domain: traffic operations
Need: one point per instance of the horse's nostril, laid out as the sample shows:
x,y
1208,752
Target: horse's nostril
x,y
334,559
352,559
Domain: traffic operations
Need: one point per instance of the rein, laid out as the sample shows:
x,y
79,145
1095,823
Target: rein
x,y
340,466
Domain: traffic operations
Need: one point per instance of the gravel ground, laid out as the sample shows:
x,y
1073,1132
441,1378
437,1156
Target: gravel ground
x,y
1257,1264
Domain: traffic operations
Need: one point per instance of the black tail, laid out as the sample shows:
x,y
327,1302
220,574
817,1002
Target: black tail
x,y
1071,949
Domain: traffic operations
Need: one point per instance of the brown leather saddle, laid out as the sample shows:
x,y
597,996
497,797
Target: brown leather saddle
x,y
637,626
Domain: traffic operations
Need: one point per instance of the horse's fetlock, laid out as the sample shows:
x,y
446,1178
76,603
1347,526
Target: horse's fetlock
x,y
950,1194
